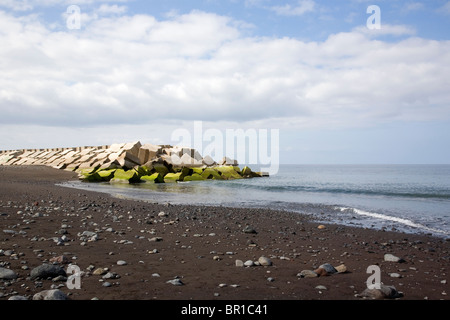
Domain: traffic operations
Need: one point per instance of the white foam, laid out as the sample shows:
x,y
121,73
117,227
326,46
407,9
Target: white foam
x,y
391,218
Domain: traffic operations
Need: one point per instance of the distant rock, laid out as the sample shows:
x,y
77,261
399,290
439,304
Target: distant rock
x,y
250,230
7,274
176,282
55,294
121,263
385,292
47,271
239,263
391,258
307,274
328,268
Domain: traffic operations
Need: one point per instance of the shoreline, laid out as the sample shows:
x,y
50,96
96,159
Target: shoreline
x,y
198,244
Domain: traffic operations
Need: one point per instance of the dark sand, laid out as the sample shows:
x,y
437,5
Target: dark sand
x,y
192,239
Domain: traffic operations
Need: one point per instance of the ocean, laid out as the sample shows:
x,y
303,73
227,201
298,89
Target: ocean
x,y
406,198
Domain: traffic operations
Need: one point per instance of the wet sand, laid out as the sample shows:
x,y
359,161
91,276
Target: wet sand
x,y
199,246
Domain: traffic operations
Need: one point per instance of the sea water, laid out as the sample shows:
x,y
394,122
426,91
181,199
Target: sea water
x,y
408,198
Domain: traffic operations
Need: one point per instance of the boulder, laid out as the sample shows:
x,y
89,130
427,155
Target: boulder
x,y
154,178
194,177
208,161
228,162
173,177
47,271
7,274
228,172
122,176
55,294
210,173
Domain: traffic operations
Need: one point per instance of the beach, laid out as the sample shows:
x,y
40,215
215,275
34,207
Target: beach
x,y
142,247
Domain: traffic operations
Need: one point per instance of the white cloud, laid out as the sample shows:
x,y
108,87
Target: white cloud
x,y
303,7
137,71
445,8
26,5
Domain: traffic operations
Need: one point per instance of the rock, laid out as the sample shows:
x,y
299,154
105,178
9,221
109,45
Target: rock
x,y
18,298
154,178
249,263
320,287
7,274
341,269
321,227
385,292
265,261
239,263
391,258
162,214
395,275
249,230
175,282
328,268
60,259
208,161
307,274
99,272
47,271
321,272
106,284
55,294
121,263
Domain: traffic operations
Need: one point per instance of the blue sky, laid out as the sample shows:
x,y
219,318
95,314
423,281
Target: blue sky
x,y
338,91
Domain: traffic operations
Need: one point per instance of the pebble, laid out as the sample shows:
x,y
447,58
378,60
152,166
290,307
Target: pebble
x,y
239,263
265,261
106,284
249,229
395,275
391,258
249,263
175,282
121,263
307,274
320,287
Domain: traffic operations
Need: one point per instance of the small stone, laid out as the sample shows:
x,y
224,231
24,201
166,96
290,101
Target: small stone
x,y
391,258
307,274
249,229
176,282
321,227
106,284
121,263
328,268
55,294
99,272
341,269
265,261
395,275
162,214
60,259
249,263
320,287
239,263
270,279
385,292
216,258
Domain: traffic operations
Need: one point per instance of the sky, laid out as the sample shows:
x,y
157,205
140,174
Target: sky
x,y
342,84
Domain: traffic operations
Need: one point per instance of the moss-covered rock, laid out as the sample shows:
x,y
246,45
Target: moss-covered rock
x,y
197,170
210,173
106,175
228,172
154,178
122,176
194,177
173,177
